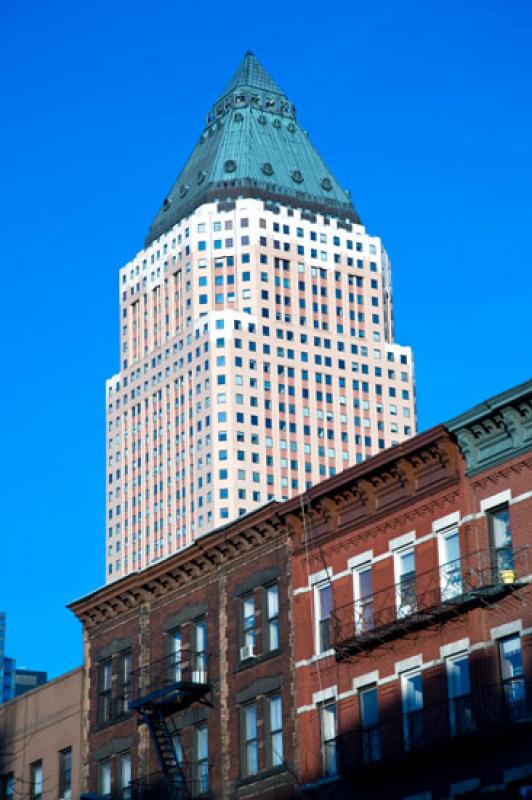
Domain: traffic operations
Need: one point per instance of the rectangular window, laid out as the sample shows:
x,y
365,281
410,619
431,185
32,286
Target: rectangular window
x,y
328,737
36,780
249,633
412,700
104,690
450,565
201,759
176,655
275,730
369,718
7,786
124,776
104,777
459,692
199,638
323,616
65,774
250,743
272,614
511,659
501,540
124,682
364,605
406,583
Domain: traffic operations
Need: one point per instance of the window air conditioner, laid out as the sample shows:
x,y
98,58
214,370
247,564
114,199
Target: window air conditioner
x,y
248,651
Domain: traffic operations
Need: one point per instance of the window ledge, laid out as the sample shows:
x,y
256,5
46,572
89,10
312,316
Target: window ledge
x,y
251,662
262,775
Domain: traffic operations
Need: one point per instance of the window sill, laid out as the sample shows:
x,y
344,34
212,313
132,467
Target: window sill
x,y
101,725
261,776
251,662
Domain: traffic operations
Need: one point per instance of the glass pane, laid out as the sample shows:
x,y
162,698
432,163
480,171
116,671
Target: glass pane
x,y
125,770
201,637
451,548
276,721
369,709
105,778
252,760
272,598
178,750
329,721
277,749
249,607
325,601
413,693
273,632
458,677
511,658
106,675
406,564
251,722
201,743
500,526
365,584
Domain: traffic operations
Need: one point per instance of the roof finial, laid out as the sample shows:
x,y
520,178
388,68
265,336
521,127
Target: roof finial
x,y
249,52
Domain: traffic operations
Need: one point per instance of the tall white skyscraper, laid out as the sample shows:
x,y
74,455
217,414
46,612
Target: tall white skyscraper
x,y
257,349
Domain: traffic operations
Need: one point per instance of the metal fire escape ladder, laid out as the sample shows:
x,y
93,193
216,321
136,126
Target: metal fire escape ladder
x,y
157,722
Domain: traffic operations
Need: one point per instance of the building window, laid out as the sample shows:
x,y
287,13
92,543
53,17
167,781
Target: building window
x,y
104,691
501,539
406,583
364,605
250,743
369,720
176,651
450,566
7,786
328,737
272,614
36,780
201,759
199,641
275,731
248,640
323,616
65,774
104,777
511,660
412,701
124,776
124,682
459,693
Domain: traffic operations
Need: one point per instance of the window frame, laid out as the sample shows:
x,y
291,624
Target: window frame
x,y
321,620
105,691
361,602
272,733
201,764
450,576
249,742
412,732
371,737
272,621
65,774
503,556
36,768
404,609
329,765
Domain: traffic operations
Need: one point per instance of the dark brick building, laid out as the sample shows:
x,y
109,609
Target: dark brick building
x,y
371,638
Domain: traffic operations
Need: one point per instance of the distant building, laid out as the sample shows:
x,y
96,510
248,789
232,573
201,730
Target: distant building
x,y
257,348
13,681
26,679
40,741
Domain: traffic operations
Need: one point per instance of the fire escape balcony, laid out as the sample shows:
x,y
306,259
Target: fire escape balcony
x,y
479,578
172,683
456,724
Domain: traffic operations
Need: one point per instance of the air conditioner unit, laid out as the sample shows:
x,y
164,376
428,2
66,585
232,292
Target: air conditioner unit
x,y
248,651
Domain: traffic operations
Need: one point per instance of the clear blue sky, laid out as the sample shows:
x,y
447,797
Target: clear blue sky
x,y
423,110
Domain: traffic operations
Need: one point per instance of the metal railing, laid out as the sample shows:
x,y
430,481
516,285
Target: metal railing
x,y
419,599
113,707
156,786
484,712
185,671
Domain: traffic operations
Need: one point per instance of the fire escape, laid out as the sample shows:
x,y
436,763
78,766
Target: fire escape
x,y
162,689
428,598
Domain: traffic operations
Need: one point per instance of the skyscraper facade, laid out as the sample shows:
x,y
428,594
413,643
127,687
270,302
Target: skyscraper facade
x,y
257,347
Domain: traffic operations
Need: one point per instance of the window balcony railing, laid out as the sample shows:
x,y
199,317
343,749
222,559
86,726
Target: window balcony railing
x,y
486,712
113,707
419,599
179,677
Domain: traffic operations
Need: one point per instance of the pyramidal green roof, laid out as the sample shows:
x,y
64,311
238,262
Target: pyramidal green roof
x,y
253,146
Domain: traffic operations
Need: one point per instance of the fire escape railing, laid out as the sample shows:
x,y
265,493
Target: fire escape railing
x,y
420,599
474,717
160,690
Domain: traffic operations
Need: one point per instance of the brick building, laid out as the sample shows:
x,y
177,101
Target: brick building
x,y
412,615
213,620
369,638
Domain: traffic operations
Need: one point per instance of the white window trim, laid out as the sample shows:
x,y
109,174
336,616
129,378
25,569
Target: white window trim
x,y
508,629
326,581
400,542
454,648
409,548
360,559
368,679
496,500
449,521
330,693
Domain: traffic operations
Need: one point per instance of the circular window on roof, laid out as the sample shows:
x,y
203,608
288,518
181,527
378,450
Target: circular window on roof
x,y
297,176
277,123
230,165
238,117
326,184
200,177
183,189
166,203
291,127
261,119
267,168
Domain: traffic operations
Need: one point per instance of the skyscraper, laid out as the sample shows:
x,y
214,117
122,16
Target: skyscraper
x,y
257,348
